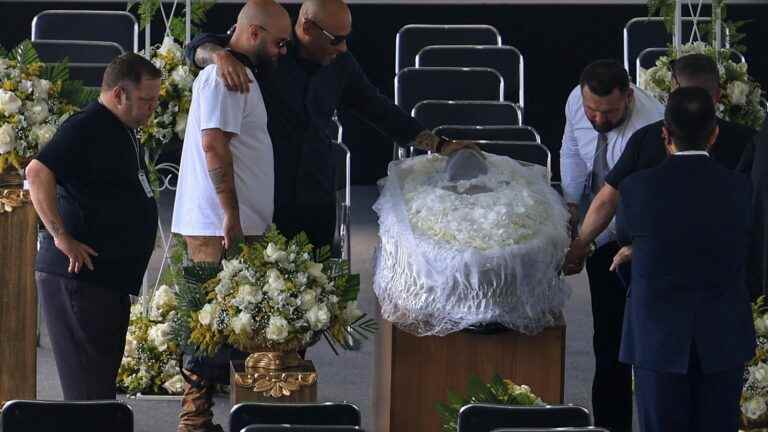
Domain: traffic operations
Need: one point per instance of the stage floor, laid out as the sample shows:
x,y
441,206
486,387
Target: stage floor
x,y
350,376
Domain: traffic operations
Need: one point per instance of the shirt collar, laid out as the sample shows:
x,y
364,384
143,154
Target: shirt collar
x,y
244,59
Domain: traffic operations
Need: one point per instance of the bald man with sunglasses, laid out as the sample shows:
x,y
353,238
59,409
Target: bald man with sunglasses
x,y
317,76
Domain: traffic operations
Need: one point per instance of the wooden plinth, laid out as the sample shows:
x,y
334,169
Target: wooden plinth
x,y
18,304
239,394
414,373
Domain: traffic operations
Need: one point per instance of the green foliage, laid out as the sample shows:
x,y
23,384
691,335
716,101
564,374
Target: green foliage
x,y
148,9
497,391
25,54
56,71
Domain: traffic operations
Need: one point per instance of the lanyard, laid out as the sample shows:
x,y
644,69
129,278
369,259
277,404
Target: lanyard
x,y
135,148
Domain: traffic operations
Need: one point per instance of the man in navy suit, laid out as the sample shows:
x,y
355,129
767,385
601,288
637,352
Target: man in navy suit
x,y
688,328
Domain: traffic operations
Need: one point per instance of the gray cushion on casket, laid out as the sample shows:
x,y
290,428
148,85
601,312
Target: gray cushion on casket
x,y
466,164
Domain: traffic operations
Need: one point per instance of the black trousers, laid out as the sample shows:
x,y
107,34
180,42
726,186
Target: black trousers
x,y
692,402
612,384
87,324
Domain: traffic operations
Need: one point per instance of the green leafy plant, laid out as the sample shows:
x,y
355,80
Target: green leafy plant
x,y
148,9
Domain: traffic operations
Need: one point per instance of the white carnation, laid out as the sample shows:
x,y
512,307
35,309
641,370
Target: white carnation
x,y
242,323
9,103
159,335
318,317
249,294
738,92
181,125
26,87
42,87
42,134
277,330
308,299
174,385
274,254
223,288
754,408
207,315
183,77
37,112
758,373
7,138
231,268
170,46
164,297
316,271
275,284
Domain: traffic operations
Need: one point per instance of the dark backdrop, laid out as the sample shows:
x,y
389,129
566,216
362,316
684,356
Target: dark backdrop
x,y
557,41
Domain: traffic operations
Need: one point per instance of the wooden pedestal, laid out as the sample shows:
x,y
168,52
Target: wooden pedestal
x,y
18,304
414,373
239,394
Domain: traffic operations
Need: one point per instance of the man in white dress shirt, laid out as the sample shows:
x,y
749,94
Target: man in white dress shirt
x,y
226,179
602,112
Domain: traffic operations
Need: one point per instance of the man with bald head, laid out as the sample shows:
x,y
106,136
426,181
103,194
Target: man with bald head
x,y
316,77
225,189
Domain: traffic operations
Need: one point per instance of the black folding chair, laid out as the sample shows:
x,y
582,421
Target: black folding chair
x,y
489,133
319,414
119,27
433,113
488,417
648,57
61,416
413,37
506,60
567,429
294,428
413,85
650,32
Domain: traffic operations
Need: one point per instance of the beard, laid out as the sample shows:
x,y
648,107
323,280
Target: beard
x,y
265,64
609,126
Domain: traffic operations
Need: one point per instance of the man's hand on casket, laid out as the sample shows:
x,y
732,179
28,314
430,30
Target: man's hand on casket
x,y
576,256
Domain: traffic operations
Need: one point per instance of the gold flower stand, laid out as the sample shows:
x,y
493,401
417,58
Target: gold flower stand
x,y
273,377
18,297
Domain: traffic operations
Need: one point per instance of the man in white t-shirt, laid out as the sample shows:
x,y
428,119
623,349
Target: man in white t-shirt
x,y
226,178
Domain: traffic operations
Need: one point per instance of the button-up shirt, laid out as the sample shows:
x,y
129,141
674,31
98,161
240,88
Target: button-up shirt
x,y
580,142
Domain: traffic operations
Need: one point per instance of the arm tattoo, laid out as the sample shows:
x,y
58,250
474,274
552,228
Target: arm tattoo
x,y
219,178
204,54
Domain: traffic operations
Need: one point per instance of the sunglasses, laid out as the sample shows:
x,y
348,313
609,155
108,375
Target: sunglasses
x,y
332,39
282,43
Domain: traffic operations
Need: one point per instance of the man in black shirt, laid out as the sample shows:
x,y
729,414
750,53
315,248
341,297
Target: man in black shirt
x,y
645,149
89,187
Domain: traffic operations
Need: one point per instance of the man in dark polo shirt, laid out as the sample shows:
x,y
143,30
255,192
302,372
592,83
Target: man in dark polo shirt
x,y
89,187
645,149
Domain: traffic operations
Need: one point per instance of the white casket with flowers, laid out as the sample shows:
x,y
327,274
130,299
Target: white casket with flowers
x,y
457,253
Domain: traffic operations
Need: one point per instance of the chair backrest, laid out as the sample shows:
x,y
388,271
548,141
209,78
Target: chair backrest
x,y
320,414
54,51
566,429
434,113
341,241
489,133
650,32
295,428
413,85
506,60
87,25
413,37
524,151
648,57
487,417
60,416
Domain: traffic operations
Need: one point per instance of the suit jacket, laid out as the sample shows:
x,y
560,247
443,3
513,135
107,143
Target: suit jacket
x,y
689,221
755,163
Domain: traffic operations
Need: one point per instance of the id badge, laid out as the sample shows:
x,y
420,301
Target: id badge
x,y
145,184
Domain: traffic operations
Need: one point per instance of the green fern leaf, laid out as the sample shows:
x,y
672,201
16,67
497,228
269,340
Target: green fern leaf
x,y
25,54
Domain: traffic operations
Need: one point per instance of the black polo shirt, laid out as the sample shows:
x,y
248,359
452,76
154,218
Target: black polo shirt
x,y
645,149
101,200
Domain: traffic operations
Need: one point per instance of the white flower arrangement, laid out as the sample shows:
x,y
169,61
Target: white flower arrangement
x,y
277,295
754,398
32,104
170,117
150,360
740,98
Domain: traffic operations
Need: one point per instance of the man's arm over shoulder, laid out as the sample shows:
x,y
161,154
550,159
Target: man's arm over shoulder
x,y
365,99
201,59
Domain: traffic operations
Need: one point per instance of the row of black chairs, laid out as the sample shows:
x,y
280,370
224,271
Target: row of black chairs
x,y
115,416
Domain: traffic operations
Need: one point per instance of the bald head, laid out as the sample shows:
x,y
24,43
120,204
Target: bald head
x,y
263,29
334,14
265,13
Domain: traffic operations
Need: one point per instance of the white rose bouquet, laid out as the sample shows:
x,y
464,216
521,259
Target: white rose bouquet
x,y
277,295
150,361
754,398
740,96
169,120
34,100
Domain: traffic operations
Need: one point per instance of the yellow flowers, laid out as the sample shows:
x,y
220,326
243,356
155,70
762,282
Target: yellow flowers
x,y
9,85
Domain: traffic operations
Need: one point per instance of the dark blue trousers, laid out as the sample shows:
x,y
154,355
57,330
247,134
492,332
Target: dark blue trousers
x,y
692,402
